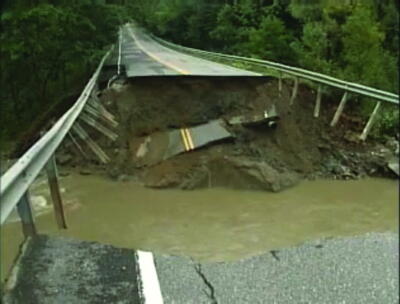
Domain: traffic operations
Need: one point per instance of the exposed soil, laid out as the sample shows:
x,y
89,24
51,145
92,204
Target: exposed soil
x,y
263,158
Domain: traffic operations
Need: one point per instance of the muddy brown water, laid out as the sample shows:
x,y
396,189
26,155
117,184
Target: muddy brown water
x,y
213,224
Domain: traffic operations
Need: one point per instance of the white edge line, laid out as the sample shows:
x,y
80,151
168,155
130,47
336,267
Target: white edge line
x,y
150,285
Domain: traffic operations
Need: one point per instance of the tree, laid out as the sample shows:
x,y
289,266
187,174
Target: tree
x,y
271,41
363,53
313,48
47,53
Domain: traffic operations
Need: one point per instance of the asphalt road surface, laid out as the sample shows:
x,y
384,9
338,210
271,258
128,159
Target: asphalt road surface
x,y
143,56
55,270
353,270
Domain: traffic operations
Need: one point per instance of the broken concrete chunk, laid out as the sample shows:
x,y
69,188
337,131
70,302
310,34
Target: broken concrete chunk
x,y
202,135
163,145
269,118
393,165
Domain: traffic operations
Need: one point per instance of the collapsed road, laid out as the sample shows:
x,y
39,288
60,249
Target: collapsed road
x,y
235,130
247,134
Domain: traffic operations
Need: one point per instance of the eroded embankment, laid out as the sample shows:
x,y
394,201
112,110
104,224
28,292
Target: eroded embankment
x,y
256,157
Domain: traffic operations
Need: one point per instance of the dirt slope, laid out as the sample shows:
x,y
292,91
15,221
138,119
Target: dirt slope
x,y
258,157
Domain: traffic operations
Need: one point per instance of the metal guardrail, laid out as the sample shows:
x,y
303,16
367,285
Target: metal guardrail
x,y
15,182
296,72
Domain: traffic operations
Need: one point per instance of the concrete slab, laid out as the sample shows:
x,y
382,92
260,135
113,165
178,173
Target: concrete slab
x,y
61,270
163,145
361,269
267,118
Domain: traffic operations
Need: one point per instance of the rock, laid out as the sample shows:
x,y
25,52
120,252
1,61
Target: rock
x,y
63,158
85,172
198,179
229,171
332,165
64,173
323,146
123,178
166,181
113,172
243,173
393,145
351,137
346,172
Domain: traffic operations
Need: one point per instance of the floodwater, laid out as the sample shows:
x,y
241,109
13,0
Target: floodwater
x,y
209,225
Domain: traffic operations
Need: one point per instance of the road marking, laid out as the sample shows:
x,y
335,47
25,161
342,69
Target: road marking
x,y
184,139
189,138
150,286
155,57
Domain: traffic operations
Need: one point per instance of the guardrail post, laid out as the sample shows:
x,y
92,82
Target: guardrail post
x,y
25,213
77,145
280,84
339,110
52,176
103,157
295,89
318,102
370,122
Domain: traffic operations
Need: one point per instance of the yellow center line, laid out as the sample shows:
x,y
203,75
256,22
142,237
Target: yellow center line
x,y
155,57
185,143
189,138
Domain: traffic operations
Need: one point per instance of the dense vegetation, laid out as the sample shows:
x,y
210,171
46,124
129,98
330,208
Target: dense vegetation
x,y
48,51
49,48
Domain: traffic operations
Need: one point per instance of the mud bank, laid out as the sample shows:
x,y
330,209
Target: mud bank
x,y
256,157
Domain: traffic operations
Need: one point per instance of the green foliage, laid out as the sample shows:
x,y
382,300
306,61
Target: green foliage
x,y
47,53
271,41
313,48
230,31
387,122
362,53
306,11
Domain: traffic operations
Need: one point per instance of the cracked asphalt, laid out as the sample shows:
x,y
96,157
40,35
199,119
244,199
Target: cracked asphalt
x,y
56,270
356,270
